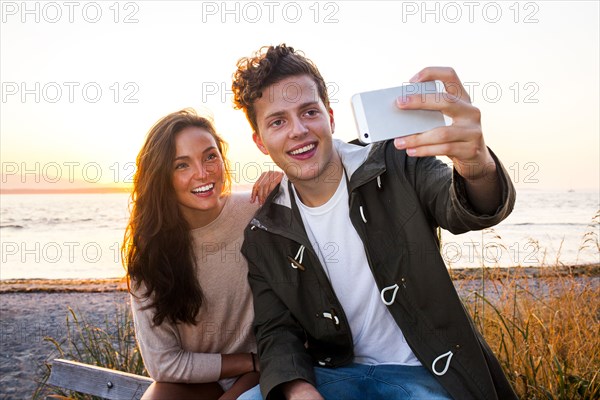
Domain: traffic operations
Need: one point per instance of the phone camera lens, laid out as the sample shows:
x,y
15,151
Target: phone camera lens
x,y
366,135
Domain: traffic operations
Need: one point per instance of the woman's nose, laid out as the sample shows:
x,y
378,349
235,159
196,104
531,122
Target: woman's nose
x,y
200,171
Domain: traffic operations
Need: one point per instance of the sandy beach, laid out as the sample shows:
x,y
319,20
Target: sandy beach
x,y
33,309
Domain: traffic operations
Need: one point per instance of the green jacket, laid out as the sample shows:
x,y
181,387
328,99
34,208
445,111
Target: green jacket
x,y
396,203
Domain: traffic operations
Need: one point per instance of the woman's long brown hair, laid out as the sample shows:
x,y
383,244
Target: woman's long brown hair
x,y
157,248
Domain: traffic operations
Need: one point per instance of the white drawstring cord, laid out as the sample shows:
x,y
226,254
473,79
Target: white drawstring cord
x,y
334,318
362,214
395,287
449,355
379,181
300,254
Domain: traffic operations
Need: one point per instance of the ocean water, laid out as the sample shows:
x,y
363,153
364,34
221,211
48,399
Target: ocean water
x,y
62,235
546,228
79,235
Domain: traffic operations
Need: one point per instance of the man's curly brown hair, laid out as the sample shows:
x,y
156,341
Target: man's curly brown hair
x,y
269,65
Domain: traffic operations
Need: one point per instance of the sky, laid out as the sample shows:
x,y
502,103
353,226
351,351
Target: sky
x,y
83,81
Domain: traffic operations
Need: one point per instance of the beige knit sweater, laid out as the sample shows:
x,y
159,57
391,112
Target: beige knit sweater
x,y
192,353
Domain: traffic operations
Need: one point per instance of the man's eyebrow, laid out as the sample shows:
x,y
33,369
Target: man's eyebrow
x,y
280,113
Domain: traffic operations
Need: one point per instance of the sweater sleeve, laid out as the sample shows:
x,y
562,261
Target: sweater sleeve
x,y
162,352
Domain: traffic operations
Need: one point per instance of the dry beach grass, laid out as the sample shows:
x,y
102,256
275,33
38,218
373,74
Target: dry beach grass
x,y
543,327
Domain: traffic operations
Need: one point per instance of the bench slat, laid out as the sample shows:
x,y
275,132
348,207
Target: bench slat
x,y
97,381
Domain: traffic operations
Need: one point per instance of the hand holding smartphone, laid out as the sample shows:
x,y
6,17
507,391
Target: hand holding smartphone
x,y
378,118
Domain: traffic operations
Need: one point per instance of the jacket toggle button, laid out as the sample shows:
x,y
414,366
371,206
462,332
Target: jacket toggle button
x,y
295,264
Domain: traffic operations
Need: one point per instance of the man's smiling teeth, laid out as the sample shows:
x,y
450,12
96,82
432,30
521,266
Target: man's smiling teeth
x,y
204,188
302,149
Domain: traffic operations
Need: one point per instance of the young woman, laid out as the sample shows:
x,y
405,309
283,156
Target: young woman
x,y
190,297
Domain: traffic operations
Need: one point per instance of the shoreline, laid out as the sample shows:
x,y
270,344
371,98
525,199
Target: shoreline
x,y
493,273
37,285
104,285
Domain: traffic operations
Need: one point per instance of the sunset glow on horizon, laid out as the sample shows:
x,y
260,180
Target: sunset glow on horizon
x,y
83,82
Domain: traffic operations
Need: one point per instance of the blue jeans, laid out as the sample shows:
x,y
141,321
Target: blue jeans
x,y
252,394
359,381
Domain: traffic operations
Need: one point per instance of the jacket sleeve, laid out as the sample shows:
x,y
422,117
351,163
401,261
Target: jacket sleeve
x,y
164,358
280,339
441,190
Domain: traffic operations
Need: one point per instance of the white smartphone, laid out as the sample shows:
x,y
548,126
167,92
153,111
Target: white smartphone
x,y
378,118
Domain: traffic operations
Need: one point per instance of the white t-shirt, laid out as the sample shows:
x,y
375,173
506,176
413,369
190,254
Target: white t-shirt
x,y
377,337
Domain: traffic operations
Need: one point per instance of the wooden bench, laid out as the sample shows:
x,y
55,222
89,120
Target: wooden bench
x,y
97,381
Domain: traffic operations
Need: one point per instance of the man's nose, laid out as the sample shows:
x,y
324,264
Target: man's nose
x,y
298,128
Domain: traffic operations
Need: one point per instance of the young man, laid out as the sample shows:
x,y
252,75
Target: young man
x,y
351,295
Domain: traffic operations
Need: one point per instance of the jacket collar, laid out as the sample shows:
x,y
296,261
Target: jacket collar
x,y
361,163
372,162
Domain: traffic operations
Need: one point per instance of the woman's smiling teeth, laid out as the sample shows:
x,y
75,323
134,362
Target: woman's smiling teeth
x,y
301,150
203,189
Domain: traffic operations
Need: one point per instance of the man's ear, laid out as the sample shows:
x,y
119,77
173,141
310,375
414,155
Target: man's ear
x,y
331,120
259,143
